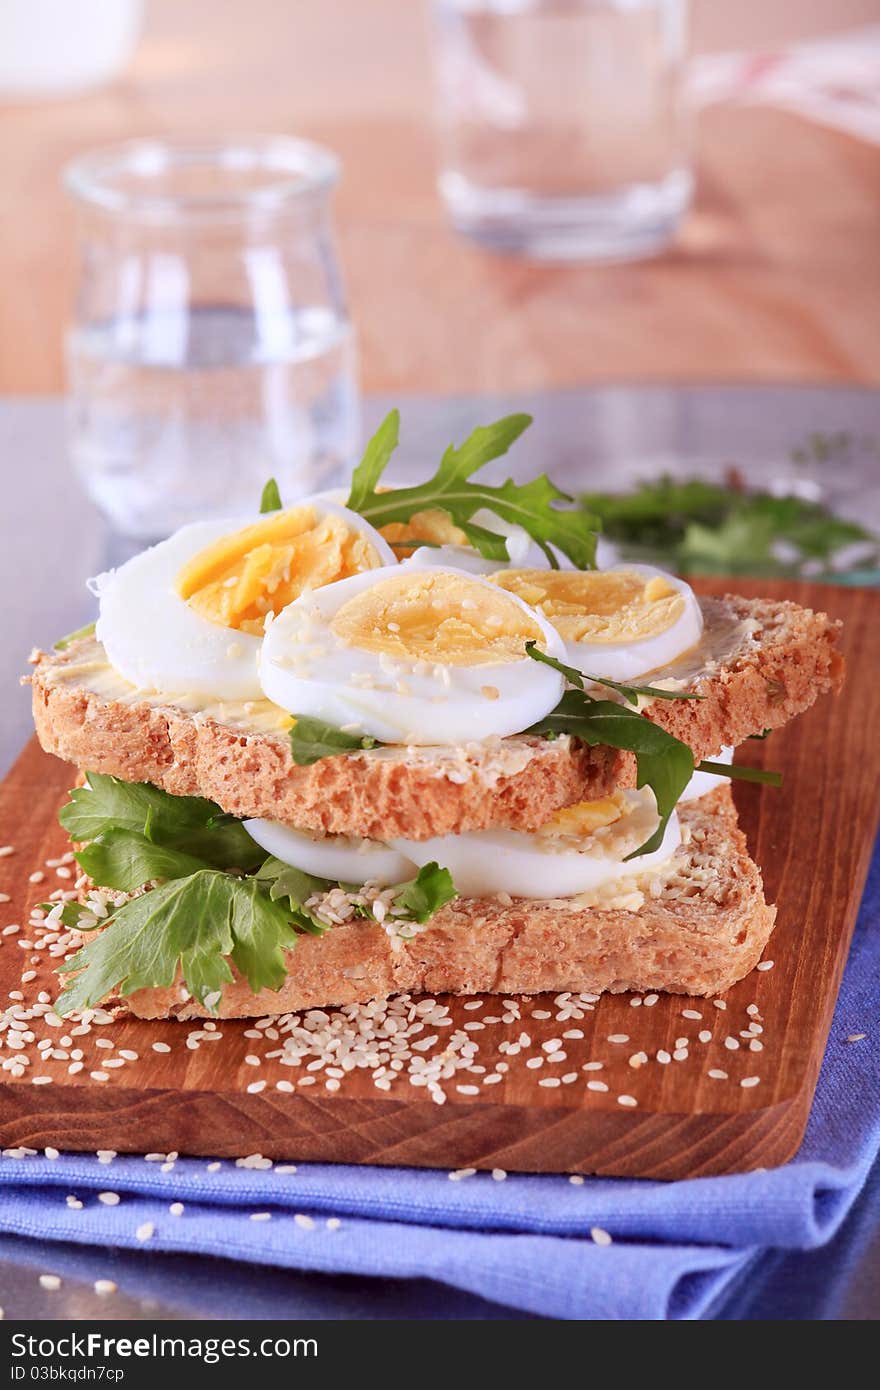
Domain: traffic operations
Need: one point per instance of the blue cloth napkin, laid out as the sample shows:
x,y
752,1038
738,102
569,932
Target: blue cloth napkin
x,y
524,1242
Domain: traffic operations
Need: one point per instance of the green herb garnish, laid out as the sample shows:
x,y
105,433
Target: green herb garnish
x,y
312,739
193,924
190,825
529,505
270,498
698,527
580,679
741,774
431,889
86,631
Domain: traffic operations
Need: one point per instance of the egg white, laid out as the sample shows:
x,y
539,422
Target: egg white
x,y
344,858
157,642
485,862
308,670
624,661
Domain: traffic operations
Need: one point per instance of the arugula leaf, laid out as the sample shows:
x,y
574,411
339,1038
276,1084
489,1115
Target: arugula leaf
x,y
529,505
578,678
193,924
270,498
741,774
189,824
63,642
431,889
126,859
374,462
663,763
312,739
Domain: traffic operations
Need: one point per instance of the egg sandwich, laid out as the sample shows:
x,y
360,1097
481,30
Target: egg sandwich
x,y
411,739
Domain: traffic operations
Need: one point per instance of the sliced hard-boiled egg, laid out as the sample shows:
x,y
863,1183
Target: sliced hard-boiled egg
x,y
345,858
412,656
620,623
581,849
445,544
704,782
187,615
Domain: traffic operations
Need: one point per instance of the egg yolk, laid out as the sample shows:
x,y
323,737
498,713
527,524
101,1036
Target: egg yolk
x,y
438,617
598,605
434,526
585,817
244,576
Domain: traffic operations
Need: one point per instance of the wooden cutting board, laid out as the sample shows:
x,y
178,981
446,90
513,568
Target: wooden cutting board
x,y
219,1092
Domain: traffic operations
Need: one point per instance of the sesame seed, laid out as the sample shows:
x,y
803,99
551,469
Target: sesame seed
x,y
750,1081
663,1056
498,1174
51,1153
618,1037
753,1009
704,1035
50,1282
6,850
105,1155
74,1203
731,1043
104,1286
176,1209
459,1173
99,1075
717,1074
765,965
576,1180
650,1000
549,1081
599,1237
256,1086
680,1054
160,1047
720,1003
593,1066
636,1002
627,1100
282,1168
261,1216
144,1231
305,1223
856,1037
596,1086
534,1062
110,1199
756,1046
468,1090
691,1013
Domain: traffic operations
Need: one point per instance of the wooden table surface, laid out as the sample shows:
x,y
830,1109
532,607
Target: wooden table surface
x,y
774,278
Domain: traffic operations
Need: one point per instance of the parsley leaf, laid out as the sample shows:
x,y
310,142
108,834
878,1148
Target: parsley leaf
x,y
431,889
630,693
312,739
663,763
529,505
270,498
188,824
63,642
192,924
70,913
126,859
295,887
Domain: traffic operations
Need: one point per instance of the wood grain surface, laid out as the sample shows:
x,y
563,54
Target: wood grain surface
x,y
201,1095
774,277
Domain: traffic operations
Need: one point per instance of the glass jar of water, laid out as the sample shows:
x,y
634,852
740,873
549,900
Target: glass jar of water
x,y
211,346
562,124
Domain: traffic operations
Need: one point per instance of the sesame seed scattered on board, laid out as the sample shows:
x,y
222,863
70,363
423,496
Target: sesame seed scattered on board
x,y
109,1199
596,1086
600,1237
305,1223
691,1013
618,1037
499,1174
261,1216
176,1209
750,1081
104,1286
50,1282
333,1223
717,1074
856,1037
765,965
144,1231
576,1180
627,1100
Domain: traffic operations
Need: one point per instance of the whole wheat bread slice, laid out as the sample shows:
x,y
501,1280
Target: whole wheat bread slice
x,y
760,663
701,927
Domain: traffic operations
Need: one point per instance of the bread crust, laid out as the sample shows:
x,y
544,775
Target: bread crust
x,y
769,661
705,930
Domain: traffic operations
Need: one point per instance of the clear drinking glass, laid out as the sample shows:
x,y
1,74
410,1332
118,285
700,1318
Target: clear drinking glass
x,y
562,124
211,346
